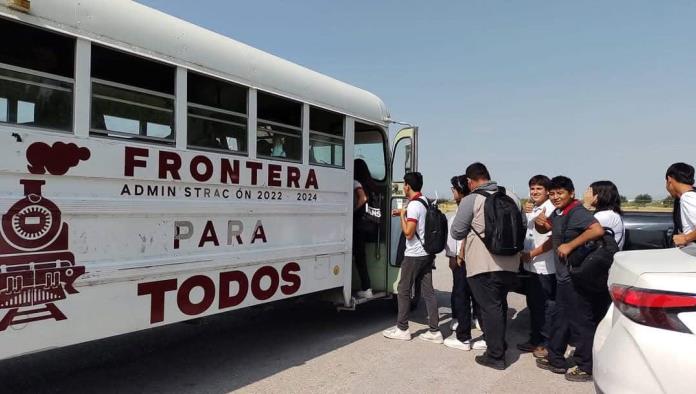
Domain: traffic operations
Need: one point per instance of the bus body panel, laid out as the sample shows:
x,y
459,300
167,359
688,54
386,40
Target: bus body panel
x,y
140,303
123,223
102,236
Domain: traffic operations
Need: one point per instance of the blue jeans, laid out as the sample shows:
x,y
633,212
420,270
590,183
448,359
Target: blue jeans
x,y
541,301
462,302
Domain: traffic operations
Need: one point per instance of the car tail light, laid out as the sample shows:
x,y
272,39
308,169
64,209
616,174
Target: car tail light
x,y
654,308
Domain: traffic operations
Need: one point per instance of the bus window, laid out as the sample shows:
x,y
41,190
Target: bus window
x,y
217,114
370,146
132,97
402,159
3,109
326,137
36,77
279,129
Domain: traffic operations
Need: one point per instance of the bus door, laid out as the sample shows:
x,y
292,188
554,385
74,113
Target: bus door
x,y
404,159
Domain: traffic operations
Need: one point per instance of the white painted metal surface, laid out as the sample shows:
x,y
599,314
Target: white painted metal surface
x,y
126,239
634,358
139,235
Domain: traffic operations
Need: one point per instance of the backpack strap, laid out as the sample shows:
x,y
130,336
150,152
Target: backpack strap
x,y
427,206
423,202
565,225
482,193
486,195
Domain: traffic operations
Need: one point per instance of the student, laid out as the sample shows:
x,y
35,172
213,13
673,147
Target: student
x,y
462,299
680,185
604,197
417,265
278,149
363,186
571,226
490,276
538,260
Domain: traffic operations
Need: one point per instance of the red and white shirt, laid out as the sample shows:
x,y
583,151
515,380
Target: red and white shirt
x,y
415,212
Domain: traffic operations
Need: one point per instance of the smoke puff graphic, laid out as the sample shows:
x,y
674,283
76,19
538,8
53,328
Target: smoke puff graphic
x,y
56,159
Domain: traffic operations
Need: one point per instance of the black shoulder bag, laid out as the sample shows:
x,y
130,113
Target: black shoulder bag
x,y
589,264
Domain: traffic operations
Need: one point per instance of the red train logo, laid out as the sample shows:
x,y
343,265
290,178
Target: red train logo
x,y
36,267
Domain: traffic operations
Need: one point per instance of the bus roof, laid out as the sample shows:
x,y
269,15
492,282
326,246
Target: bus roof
x,y
149,32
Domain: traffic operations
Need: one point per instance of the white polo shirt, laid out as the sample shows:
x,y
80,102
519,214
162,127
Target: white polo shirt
x,y
687,203
415,212
544,263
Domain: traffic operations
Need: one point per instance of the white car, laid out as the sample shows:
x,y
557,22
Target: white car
x,y
647,341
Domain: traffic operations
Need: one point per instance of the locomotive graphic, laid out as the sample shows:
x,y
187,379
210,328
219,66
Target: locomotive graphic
x,y
36,267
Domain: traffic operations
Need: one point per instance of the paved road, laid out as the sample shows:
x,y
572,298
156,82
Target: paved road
x,y
294,347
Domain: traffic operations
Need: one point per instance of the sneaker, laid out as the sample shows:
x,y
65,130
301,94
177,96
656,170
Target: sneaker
x,y
544,363
540,352
435,337
365,294
578,375
526,347
454,324
479,345
455,343
486,361
396,333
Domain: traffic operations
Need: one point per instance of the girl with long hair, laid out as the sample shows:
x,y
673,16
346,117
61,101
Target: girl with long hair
x,y
604,197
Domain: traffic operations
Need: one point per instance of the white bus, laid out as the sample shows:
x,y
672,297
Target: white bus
x,y
153,171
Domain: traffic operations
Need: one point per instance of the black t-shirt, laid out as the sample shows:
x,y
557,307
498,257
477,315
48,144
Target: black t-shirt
x,y
580,220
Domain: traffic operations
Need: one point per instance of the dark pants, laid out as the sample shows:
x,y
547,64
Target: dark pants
x,y
462,302
578,314
361,259
490,290
541,300
418,272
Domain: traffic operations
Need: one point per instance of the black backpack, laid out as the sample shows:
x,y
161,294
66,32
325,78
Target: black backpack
x,y
505,230
589,264
435,229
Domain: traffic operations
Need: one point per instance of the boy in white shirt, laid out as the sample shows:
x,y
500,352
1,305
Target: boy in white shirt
x,y
680,185
538,259
417,265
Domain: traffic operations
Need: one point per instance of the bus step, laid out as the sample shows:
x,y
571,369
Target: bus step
x,y
355,301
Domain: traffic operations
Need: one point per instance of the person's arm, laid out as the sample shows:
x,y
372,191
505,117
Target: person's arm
x,y
684,239
539,250
542,223
408,225
595,231
462,220
453,262
462,253
528,207
360,198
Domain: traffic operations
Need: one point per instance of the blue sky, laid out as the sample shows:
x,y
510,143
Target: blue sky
x,y
588,89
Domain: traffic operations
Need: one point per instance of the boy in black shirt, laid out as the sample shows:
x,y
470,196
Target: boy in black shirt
x,y
572,226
